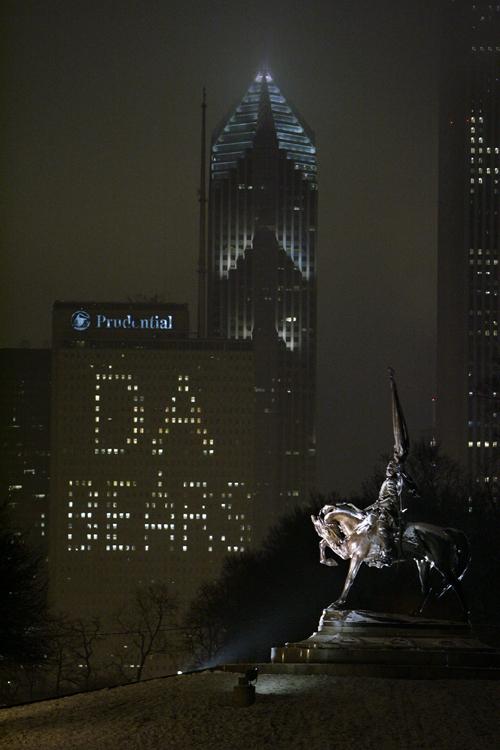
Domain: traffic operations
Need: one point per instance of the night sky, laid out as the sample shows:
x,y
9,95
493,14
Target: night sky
x,y
100,159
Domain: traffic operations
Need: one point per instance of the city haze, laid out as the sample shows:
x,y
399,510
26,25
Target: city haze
x,y
100,154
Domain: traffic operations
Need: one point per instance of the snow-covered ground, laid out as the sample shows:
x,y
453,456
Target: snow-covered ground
x,y
291,711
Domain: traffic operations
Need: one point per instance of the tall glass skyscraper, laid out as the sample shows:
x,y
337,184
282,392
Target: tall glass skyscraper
x,y
262,276
468,275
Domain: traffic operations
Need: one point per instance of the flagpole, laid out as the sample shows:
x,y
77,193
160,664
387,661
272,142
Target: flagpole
x,y
400,450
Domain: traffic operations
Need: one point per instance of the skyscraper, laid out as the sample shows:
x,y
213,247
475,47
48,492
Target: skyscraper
x,y
25,441
468,278
152,454
261,277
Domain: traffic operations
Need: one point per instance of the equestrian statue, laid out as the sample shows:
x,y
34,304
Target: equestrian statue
x,y
378,535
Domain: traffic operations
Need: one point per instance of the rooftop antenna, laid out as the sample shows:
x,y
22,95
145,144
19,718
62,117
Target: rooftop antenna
x,y
202,199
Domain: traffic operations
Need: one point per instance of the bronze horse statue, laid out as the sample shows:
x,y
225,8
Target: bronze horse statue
x,y
378,535
351,534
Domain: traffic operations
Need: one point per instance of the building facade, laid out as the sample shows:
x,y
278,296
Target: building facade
x,y
468,277
25,440
262,278
152,458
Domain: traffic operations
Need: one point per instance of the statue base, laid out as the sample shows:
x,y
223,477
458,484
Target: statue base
x,y
359,642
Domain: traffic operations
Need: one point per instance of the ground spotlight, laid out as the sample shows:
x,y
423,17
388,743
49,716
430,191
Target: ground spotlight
x,y
244,691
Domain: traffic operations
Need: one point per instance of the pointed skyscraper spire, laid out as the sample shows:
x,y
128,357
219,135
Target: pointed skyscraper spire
x,y
237,135
262,275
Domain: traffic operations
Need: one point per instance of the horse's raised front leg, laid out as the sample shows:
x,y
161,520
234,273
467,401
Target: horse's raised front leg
x,y
324,560
351,575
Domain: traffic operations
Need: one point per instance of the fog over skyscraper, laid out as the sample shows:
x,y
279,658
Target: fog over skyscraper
x,y
261,277
468,279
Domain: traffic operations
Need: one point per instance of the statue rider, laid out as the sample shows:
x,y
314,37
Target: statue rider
x,y
384,516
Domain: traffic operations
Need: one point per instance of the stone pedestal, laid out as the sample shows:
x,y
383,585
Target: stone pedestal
x,y
358,642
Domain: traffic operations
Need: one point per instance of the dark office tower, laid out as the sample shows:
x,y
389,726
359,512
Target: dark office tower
x,y
25,441
262,277
469,142
152,454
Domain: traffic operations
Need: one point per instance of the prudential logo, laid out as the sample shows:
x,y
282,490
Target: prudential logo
x,y
80,320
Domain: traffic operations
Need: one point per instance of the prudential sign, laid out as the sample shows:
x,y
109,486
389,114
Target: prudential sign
x,y
81,320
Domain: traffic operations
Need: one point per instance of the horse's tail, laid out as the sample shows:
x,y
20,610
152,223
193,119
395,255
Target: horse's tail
x,y
462,552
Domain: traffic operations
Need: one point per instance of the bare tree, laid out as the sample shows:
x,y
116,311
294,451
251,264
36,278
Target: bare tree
x,y
72,657
23,601
206,626
59,659
84,634
33,678
146,623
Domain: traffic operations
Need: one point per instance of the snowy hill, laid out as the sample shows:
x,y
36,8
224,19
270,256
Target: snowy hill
x,y
292,711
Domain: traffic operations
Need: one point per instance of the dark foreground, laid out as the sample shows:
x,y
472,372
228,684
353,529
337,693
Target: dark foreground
x,y
291,711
